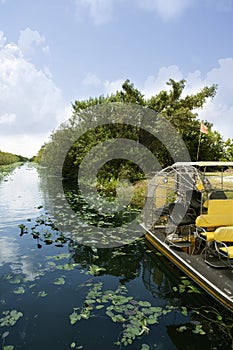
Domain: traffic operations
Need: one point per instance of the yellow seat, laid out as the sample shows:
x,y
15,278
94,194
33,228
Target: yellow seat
x,y
228,251
224,234
208,236
214,220
220,206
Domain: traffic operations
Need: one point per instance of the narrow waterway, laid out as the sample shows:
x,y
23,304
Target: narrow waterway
x,y
57,294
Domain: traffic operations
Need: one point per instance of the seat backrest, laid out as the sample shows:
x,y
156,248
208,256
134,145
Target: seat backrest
x,y
217,194
220,206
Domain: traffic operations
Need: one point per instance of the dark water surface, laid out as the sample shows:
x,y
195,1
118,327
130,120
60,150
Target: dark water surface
x,y
57,294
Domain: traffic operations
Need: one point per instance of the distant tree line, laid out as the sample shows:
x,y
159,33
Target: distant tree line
x,y
179,110
10,158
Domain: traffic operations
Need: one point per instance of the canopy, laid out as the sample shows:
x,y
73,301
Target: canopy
x,y
204,163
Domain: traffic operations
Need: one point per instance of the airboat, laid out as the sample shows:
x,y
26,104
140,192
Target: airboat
x,y
188,217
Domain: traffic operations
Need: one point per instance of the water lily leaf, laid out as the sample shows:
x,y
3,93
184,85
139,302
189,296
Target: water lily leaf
x,y
134,331
95,270
181,329
194,289
85,313
15,280
10,318
198,330
98,307
186,282
144,303
60,281
5,334
19,290
8,347
42,294
66,267
152,319
90,301
74,317
184,311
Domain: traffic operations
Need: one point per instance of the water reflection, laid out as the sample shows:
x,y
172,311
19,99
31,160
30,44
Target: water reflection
x,y
19,196
63,271
12,255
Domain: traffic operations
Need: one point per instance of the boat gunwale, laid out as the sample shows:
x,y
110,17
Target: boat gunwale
x,y
185,266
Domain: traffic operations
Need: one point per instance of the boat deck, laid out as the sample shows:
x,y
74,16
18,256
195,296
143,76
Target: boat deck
x,y
217,281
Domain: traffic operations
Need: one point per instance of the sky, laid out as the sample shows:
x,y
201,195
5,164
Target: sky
x,y
55,52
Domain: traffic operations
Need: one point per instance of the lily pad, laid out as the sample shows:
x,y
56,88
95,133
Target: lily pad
x,y
60,281
19,290
10,318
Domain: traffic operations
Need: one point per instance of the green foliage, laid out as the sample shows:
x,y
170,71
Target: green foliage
x,y
10,318
37,158
229,150
5,170
136,316
9,158
179,111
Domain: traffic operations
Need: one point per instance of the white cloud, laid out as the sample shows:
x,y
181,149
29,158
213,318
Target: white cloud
x,y
2,39
91,79
155,84
218,111
30,39
26,145
30,103
167,9
7,118
113,86
101,11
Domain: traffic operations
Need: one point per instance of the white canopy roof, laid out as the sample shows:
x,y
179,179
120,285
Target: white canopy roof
x,y
205,163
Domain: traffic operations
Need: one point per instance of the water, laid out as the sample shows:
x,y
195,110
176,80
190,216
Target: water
x,y
127,297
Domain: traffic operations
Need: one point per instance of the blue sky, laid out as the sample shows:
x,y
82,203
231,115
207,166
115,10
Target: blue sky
x,y
53,52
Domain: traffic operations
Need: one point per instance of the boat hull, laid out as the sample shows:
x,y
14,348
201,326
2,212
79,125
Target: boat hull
x,y
217,283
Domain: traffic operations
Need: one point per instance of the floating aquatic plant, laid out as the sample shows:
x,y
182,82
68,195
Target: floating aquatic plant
x,y
60,281
10,318
19,290
136,316
187,286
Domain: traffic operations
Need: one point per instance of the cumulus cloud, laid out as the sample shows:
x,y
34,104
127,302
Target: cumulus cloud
x,y
7,118
155,84
101,11
218,111
91,79
30,39
30,102
112,86
2,39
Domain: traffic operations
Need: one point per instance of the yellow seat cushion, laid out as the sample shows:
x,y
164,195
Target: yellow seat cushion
x,y
228,250
224,234
220,206
208,236
214,220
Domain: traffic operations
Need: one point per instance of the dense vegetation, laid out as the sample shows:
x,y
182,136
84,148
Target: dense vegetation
x,y
7,158
180,111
